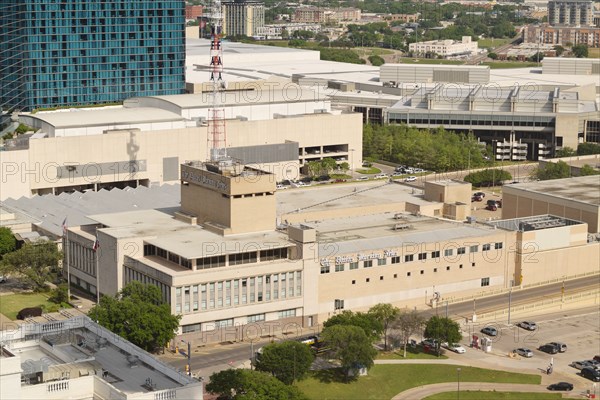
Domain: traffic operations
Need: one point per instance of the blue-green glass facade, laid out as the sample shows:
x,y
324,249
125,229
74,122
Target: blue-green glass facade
x,y
70,52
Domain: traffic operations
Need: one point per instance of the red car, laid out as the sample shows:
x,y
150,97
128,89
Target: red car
x,y
491,207
476,198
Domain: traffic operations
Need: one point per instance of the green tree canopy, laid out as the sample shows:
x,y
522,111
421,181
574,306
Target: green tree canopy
x,y
138,314
243,384
442,329
35,264
376,60
350,345
8,242
488,177
365,321
580,50
551,170
385,314
565,152
409,323
287,361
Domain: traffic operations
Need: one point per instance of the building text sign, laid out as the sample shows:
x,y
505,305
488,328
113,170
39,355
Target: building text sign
x,y
359,257
203,180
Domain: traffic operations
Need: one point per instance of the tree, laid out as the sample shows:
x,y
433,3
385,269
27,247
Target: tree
x,y
376,60
60,294
8,242
138,314
587,169
580,50
350,345
551,170
409,323
344,166
565,152
385,314
34,264
367,322
243,384
488,177
442,329
559,50
286,361
493,55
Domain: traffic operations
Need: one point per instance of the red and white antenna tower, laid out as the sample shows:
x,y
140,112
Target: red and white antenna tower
x,y
216,122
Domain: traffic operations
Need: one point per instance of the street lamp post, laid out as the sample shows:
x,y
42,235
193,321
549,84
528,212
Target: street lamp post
x,y
352,163
189,356
458,384
493,162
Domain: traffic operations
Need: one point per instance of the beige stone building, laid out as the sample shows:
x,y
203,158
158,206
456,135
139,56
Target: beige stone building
x,y
575,198
240,258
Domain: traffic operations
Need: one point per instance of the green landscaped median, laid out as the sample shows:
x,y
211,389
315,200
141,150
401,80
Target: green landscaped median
x,y
417,355
467,395
11,304
384,381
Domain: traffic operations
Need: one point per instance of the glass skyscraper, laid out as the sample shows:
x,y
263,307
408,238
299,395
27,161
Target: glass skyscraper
x,y
57,53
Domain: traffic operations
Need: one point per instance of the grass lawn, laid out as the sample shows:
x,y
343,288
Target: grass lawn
x,y
468,395
488,42
408,60
411,354
510,64
594,52
384,381
11,304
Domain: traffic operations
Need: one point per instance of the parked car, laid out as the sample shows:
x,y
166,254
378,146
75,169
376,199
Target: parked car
x,y
489,330
564,386
363,178
455,347
524,352
548,348
529,325
281,187
597,358
491,208
410,179
561,347
480,194
381,176
581,364
429,343
476,198
591,373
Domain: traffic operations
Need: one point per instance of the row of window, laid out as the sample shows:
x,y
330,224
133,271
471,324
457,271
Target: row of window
x,y
238,291
133,275
452,119
226,323
326,268
219,261
80,257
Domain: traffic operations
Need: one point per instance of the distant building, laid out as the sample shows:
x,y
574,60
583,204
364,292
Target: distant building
x,y
57,54
403,17
557,35
193,12
525,50
575,13
275,31
243,17
322,15
446,48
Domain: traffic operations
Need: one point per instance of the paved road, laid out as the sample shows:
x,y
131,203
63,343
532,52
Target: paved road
x,y
206,360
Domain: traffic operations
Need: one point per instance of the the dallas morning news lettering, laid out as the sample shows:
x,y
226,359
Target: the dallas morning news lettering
x,y
203,180
359,257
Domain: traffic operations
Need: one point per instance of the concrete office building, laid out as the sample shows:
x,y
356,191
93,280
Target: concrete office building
x,y
243,17
574,198
308,253
88,52
65,355
571,66
144,142
579,13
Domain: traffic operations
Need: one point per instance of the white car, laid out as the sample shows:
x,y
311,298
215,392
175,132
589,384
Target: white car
x,y
530,326
455,347
281,187
363,178
410,179
381,176
524,352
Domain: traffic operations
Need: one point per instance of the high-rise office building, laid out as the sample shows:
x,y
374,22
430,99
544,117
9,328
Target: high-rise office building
x,y
62,53
575,13
243,17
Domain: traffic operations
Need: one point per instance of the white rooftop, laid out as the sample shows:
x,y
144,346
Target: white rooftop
x,y
114,116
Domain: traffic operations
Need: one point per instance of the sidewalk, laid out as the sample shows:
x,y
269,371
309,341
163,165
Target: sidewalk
x,y
422,392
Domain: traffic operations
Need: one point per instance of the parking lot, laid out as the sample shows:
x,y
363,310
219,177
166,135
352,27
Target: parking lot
x,y
580,332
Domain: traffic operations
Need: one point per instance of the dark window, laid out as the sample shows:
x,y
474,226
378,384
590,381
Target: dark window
x,y
435,254
395,260
485,281
422,256
408,258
